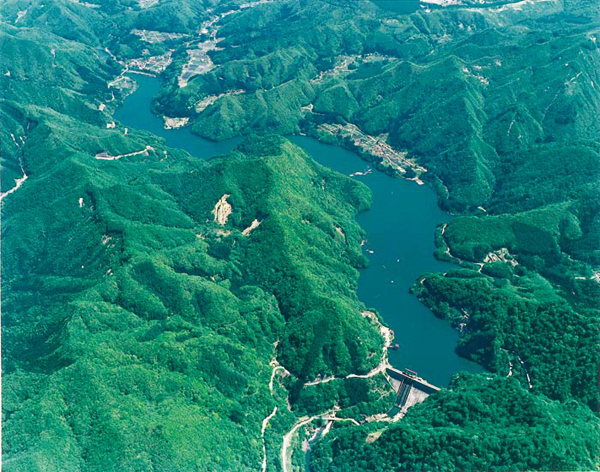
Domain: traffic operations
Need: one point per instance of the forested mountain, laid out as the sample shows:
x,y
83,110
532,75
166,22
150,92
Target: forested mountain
x,y
499,104
162,312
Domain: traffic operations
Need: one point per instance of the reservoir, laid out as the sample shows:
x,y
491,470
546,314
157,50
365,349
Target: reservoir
x,y
399,6
136,113
400,228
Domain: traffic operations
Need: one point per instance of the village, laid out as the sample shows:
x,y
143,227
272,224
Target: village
x,y
376,146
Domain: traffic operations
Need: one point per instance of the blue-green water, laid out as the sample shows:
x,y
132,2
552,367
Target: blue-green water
x,y
136,113
400,230
398,6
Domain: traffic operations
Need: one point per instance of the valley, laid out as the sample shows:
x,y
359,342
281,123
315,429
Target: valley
x,y
232,226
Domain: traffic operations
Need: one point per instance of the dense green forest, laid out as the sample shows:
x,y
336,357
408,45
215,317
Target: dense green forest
x,y
498,104
140,332
147,312
478,424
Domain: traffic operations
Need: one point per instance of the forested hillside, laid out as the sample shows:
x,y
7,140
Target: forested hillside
x,y
479,424
162,312
152,326
138,330
498,104
463,90
136,326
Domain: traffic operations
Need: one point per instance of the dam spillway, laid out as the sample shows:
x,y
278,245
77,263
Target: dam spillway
x,y
410,388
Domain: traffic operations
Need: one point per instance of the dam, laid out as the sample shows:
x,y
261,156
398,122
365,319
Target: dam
x,y
409,387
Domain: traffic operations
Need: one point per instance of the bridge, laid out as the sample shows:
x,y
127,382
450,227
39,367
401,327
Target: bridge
x,y
410,388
